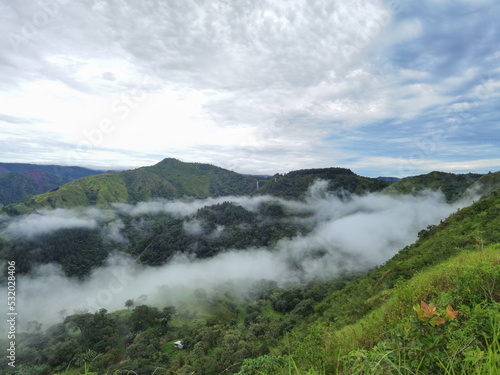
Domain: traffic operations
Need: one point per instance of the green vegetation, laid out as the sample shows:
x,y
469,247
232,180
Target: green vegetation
x,y
432,308
77,250
167,236
19,181
152,239
486,185
452,185
168,179
14,187
341,181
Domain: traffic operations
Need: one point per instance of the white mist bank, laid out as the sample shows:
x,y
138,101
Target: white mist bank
x,y
346,236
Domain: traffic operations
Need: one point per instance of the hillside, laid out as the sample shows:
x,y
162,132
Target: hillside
x,y
452,185
341,181
168,179
18,181
14,186
454,263
68,172
488,184
330,312
351,324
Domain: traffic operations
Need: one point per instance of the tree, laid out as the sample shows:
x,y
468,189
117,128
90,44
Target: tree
x,y
166,316
144,317
129,303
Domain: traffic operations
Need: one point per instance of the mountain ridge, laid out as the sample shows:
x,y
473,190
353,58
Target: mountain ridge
x,y
172,178
20,180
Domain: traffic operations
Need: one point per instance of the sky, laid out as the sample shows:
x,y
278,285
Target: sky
x,y
386,88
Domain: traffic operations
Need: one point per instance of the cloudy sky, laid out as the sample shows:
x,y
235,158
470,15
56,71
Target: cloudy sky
x,y
392,87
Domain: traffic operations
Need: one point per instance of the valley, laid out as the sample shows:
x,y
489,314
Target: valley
x,y
114,268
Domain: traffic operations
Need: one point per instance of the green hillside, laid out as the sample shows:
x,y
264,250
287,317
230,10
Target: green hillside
x,y
14,187
341,180
168,179
486,185
18,180
433,308
370,324
452,185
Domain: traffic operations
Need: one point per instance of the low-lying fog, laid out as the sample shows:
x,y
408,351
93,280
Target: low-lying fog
x,y
347,235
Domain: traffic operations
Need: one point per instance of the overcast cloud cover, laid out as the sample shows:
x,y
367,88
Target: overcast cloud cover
x,y
389,87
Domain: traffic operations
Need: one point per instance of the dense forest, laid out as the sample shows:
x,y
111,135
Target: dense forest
x,y
430,306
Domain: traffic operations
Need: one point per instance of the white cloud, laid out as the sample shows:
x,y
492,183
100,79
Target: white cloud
x,y
47,221
223,74
346,235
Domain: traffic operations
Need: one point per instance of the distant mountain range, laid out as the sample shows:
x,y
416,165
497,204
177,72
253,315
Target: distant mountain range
x,y
339,303
452,185
170,178
30,186
19,180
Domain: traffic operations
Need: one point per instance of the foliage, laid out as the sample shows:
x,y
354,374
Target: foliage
x,y
372,323
452,185
265,364
295,184
18,181
78,250
170,178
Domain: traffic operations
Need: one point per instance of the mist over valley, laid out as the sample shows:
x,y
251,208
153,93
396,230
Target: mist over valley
x,y
90,258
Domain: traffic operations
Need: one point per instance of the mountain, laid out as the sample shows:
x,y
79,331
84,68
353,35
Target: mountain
x,y
433,308
17,181
454,263
341,180
452,185
15,186
69,172
170,178
488,184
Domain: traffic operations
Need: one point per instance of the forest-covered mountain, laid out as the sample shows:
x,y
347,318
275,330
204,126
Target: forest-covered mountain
x,y
314,271
14,186
434,307
342,181
172,178
67,172
18,180
452,185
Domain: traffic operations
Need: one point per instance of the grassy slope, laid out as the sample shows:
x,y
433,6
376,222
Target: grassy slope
x,y
464,230
167,179
452,185
456,262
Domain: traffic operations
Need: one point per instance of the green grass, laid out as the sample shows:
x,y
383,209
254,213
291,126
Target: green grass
x,y
467,282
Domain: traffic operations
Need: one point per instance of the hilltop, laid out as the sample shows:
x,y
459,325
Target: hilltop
x,y
169,178
341,181
452,185
18,180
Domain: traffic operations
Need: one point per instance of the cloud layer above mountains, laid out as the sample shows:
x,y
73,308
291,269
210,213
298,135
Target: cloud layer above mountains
x,y
390,87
